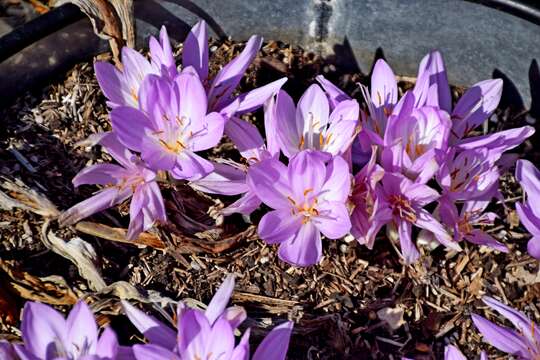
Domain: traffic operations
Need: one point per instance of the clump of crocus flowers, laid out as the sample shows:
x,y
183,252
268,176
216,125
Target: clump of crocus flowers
x,y
415,165
208,334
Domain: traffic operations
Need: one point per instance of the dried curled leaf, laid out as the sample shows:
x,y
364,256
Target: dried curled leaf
x,y
18,195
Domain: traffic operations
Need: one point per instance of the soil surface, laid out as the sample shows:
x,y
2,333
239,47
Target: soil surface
x,y
355,304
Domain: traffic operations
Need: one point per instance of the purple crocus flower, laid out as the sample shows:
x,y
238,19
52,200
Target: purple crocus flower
x,y
220,89
130,178
465,223
7,352
48,336
469,175
524,342
171,126
528,177
365,218
205,335
311,125
308,197
451,352
403,207
122,87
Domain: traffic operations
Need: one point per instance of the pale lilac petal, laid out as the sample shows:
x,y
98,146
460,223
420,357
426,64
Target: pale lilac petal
x,y
23,353
162,55
521,322
241,351
528,218
43,329
6,351
248,203
116,149
220,300
107,346
479,237
426,221
304,249
191,166
432,68
153,352
136,67
245,136
483,356
312,112
193,334
337,184
268,181
284,125
152,329
275,344
335,94
533,247
383,85
504,339
112,83
104,199
253,99
229,77
159,99
278,226
528,177
156,156
476,105
408,249
235,315
498,142
221,345
334,221
452,353
101,174
195,51
81,327
224,180
193,101
305,172
214,124
130,126
420,193
146,208
343,122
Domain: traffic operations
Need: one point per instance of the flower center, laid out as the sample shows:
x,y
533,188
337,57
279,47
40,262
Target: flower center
x,y
401,207
306,208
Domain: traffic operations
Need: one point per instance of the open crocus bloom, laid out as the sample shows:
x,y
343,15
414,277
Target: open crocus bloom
x,y
308,198
171,126
528,177
48,336
403,207
130,178
122,87
524,342
311,125
205,335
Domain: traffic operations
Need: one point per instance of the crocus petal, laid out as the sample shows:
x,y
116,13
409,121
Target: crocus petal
x,y
334,221
253,99
161,54
156,156
248,203
432,68
101,174
145,209
130,126
304,249
221,345
43,329
6,351
337,184
528,218
521,322
452,353
224,180
306,166
528,177
112,83
312,112
498,142
190,166
136,67
284,124
229,77
502,338
533,247
426,221
193,101
116,149
195,51
81,327
22,353
275,345
383,85
107,346
479,237
235,315
241,351
268,181
343,121
335,94
153,352
220,300
278,226
152,329
408,249
214,124
104,199
193,334
245,136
